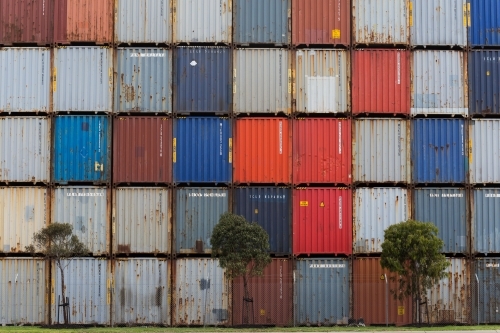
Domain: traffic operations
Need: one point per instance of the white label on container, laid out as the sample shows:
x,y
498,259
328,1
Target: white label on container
x,y
492,195
281,137
99,134
340,138
446,195
462,134
326,266
340,212
220,139
492,265
399,67
193,63
161,140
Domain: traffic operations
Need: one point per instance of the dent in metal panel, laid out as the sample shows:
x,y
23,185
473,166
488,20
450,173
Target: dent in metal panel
x,y
23,212
25,149
375,210
197,212
143,21
262,81
381,151
141,220
484,82
439,83
322,78
483,22
143,80
486,291
485,214
484,151
141,291
201,294
24,86
82,78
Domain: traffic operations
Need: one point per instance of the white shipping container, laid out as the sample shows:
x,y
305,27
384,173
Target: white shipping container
x,y
484,152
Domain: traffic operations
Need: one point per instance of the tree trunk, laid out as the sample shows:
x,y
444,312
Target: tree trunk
x,y
63,296
246,301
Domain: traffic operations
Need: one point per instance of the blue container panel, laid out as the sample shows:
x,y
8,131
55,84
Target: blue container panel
x,y
486,305
484,27
485,221
484,82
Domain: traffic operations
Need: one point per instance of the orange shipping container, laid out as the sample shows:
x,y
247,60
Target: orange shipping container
x,y
262,152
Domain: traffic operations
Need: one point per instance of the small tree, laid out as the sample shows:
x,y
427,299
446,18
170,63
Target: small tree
x,y
412,249
242,249
57,242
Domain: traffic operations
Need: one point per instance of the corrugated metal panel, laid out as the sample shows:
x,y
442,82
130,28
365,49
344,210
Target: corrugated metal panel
x,y
376,209
322,81
321,22
449,301
446,208
262,151
485,214
81,149
141,291
381,81
143,80
86,208
269,207
380,22
438,151
143,21
203,150
486,304
322,290
142,150
484,82
262,81
484,151
371,285
483,22
25,79
438,22
22,286
87,284
141,220
257,21
322,221
322,151
198,210
201,293
25,149
23,211
381,150
82,78
439,83
272,295
202,79
203,21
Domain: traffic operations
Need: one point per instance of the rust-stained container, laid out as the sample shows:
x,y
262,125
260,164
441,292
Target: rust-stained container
x,y
321,22
372,286
485,291
83,21
272,295
142,150
262,151
322,151
322,221
381,81
26,21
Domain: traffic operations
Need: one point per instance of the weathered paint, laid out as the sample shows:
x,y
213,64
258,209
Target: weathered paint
x,y
322,291
201,293
484,82
143,81
376,209
141,220
25,82
485,292
197,211
483,22
484,151
25,149
485,214
141,291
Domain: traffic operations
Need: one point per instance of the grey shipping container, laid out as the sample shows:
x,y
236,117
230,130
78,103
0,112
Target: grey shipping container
x,y
484,152
485,213
485,291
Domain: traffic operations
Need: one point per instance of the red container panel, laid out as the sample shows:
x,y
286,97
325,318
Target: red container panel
x,y
262,151
142,150
322,221
322,151
381,81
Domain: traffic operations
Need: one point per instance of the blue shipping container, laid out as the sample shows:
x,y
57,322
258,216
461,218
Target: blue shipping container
x,y
258,21
202,150
202,80
484,23
81,149
438,151
485,216
486,305
270,208
484,82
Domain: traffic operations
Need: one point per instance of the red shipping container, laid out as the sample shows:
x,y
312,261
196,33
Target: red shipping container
x,y
381,81
272,295
321,22
142,150
322,221
262,151
26,21
322,151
